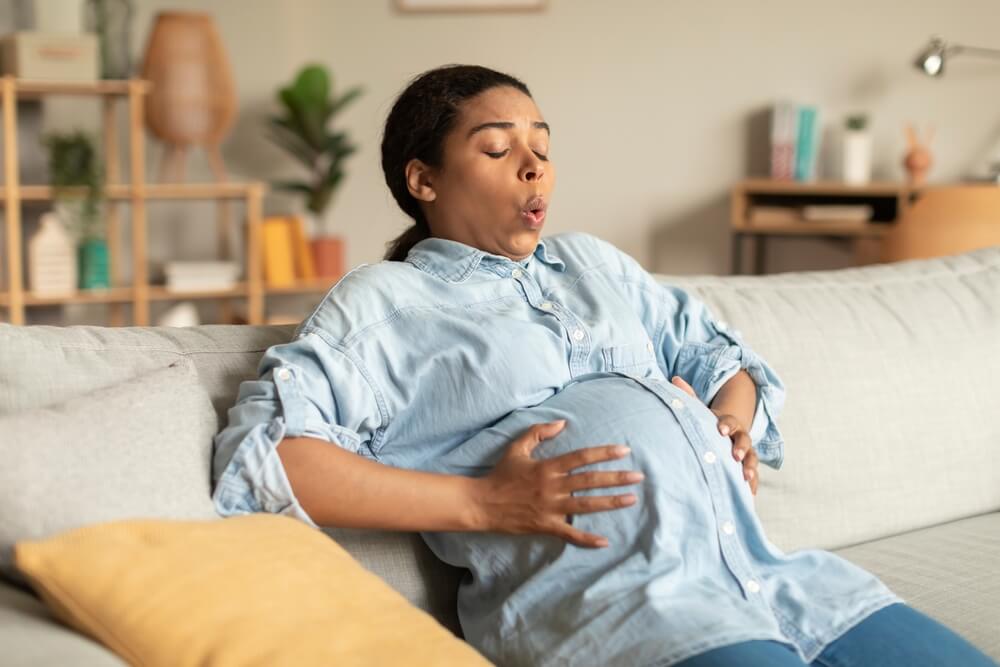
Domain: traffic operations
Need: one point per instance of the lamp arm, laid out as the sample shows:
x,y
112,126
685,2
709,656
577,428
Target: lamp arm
x,y
976,50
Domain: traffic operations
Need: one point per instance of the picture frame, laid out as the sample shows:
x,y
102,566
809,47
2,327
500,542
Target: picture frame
x,y
428,6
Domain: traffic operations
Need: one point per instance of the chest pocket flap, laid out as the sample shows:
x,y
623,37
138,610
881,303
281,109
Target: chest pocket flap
x,y
633,357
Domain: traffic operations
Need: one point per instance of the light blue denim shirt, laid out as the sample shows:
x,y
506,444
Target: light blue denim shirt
x,y
439,362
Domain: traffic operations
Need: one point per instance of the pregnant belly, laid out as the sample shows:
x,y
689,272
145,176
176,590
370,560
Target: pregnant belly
x,y
672,521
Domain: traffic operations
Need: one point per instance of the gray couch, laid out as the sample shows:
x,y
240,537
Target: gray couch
x,y
892,428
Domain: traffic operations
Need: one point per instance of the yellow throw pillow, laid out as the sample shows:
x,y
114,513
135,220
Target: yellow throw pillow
x,y
258,589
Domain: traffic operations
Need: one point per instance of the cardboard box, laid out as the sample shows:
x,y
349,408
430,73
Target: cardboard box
x,y
49,56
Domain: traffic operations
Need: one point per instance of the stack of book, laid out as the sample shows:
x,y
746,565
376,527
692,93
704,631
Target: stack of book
x,y
200,276
794,141
287,258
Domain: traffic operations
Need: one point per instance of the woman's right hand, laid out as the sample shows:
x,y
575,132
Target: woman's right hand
x,y
525,495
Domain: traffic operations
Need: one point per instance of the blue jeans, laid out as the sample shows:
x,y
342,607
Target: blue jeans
x,y
893,635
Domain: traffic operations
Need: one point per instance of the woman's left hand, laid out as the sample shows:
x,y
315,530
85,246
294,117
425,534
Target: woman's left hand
x,y
731,426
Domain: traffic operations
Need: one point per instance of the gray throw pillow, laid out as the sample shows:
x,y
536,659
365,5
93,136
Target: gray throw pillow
x,y
138,449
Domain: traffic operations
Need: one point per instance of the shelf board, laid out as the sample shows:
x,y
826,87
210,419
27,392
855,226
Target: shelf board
x,y
317,285
769,186
161,293
112,295
162,191
815,228
29,88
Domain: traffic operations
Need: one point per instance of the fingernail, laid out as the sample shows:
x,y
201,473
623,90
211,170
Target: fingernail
x,y
740,454
622,450
749,474
602,543
560,422
635,477
725,430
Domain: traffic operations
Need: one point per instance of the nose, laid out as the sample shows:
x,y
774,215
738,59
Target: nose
x,y
532,170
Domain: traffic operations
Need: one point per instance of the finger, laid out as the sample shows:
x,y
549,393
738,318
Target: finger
x,y
741,445
750,465
582,457
591,504
578,537
527,443
680,382
728,424
599,480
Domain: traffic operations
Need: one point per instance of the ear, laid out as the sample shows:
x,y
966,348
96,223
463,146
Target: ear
x,y
418,181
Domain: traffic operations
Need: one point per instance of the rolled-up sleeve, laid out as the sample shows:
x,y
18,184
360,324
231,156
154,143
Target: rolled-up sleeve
x,y
704,351
308,387
707,353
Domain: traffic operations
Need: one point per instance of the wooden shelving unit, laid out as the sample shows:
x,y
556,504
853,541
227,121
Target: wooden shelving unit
x,y
134,192
888,202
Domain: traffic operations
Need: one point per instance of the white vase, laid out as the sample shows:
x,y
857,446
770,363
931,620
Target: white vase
x,y
857,157
51,258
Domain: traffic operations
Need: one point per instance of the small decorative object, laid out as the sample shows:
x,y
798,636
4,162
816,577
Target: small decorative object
x,y
111,20
192,101
51,258
76,176
304,131
857,155
184,314
469,5
49,56
918,158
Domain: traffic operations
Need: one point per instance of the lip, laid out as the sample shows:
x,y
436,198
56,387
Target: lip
x,y
533,212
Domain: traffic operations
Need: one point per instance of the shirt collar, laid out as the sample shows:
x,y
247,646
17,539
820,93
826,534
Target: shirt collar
x,y
455,261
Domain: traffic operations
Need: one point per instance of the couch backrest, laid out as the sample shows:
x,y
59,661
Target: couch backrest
x,y
892,420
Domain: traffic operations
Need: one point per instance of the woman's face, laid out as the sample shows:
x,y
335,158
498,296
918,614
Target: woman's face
x,y
493,187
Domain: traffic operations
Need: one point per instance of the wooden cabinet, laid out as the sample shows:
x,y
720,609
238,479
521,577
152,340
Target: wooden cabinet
x,y
761,209
132,192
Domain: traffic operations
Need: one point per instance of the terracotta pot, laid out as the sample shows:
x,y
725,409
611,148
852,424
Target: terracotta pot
x,y
193,98
328,256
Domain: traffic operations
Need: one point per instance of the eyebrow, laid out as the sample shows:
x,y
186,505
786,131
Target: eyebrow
x,y
507,125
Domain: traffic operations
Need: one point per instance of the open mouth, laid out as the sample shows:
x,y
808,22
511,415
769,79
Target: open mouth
x,y
533,211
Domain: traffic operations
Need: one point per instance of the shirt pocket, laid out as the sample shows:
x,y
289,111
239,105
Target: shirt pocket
x,y
636,359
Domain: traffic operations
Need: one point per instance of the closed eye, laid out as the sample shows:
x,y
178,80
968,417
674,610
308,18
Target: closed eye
x,y
497,156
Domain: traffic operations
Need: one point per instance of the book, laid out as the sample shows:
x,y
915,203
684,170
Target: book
x,y
305,269
842,212
279,252
784,135
807,139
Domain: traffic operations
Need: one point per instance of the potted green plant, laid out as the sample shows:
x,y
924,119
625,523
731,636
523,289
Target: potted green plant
x,y
76,177
304,130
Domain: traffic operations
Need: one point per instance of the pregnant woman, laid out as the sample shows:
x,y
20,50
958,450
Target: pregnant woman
x,y
508,397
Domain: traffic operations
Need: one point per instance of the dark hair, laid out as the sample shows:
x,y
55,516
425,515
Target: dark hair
x,y
420,119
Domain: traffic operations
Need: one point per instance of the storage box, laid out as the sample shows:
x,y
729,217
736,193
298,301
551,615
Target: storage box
x,y
49,56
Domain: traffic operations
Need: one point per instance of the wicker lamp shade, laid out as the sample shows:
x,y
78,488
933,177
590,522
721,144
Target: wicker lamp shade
x,y
193,98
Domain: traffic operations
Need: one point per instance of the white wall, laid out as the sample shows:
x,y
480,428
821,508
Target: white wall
x,y
649,102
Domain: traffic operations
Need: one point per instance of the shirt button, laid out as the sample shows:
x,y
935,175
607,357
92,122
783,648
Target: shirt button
x,y
545,305
709,457
677,403
753,586
578,334
516,273
649,346
283,374
728,528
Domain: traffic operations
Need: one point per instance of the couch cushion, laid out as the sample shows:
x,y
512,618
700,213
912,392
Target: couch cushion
x,y
890,421
140,448
948,572
40,365
31,637
256,588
